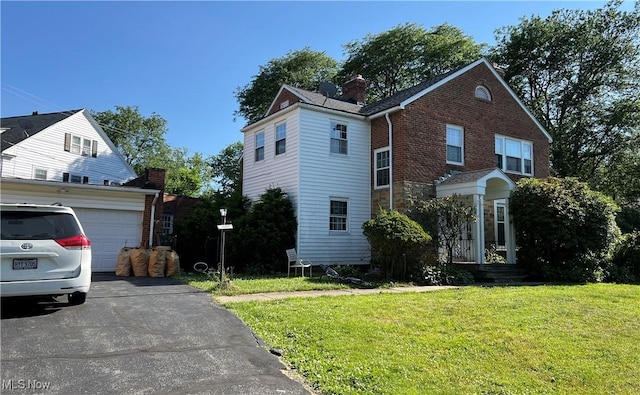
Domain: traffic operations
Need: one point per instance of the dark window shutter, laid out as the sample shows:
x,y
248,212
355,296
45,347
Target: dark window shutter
x,y
94,148
85,179
67,142
65,177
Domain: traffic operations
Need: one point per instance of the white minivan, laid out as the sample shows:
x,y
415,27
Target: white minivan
x,y
44,252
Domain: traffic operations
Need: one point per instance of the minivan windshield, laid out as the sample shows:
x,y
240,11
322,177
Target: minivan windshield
x,y
30,225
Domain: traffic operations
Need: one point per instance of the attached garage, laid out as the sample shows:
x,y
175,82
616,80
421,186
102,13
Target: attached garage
x,y
112,216
109,231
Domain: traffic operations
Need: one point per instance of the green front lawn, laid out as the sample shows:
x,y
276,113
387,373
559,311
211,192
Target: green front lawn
x,y
250,285
582,339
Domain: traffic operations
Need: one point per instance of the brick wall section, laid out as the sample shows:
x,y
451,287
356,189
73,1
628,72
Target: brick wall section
x,y
419,131
153,179
284,96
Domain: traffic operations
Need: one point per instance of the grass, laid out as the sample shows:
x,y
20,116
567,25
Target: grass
x,y
250,285
582,339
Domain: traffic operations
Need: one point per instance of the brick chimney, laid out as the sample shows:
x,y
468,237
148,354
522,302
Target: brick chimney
x,y
354,90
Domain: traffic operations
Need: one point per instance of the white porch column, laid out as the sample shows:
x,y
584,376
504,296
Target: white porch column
x,y
478,201
510,234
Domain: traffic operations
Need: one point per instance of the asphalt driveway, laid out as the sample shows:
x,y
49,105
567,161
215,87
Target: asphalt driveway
x,y
135,335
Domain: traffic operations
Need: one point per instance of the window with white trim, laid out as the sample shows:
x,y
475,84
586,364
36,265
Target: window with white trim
x,y
259,147
167,224
382,161
86,147
338,215
80,146
40,174
455,145
281,138
75,144
338,138
513,155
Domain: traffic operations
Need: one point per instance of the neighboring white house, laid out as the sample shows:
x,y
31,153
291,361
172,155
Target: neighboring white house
x,y
66,146
66,157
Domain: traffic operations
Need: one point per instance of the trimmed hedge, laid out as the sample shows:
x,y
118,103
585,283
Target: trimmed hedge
x,y
397,244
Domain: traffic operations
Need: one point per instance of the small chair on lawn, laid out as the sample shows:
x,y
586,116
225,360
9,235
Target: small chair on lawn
x,y
293,261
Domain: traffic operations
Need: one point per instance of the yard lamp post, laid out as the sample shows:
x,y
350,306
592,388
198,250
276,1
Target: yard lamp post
x,y
222,228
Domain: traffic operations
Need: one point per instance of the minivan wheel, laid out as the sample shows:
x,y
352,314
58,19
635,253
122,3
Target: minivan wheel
x,y
77,298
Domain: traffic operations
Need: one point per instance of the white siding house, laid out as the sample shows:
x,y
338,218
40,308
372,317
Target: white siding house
x,y
324,169
66,157
48,149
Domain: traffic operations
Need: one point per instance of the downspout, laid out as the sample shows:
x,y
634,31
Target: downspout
x,y
386,116
153,219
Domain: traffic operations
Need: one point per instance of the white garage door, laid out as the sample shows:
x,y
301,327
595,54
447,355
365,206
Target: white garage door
x,y
109,231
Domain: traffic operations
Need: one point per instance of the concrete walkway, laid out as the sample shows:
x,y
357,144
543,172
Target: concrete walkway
x,y
338,292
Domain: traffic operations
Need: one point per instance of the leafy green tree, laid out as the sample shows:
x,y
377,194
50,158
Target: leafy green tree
x,y
407,55
226,171
260,238
303,68
620,179
564,229
445,217
397,243
578,72
140,139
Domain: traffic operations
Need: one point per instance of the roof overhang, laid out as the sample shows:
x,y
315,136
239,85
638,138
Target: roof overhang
x,y
17,190
491,183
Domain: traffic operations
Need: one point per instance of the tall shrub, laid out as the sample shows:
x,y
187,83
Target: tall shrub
x,y
259,239
397,243
197,235
564,229
625,260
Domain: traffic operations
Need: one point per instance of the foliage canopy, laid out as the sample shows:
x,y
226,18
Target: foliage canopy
x,y
304,69
578,72
141,141
405,56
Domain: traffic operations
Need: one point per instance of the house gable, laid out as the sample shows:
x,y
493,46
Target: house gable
x,y
288,96
420,133
69,147
18,129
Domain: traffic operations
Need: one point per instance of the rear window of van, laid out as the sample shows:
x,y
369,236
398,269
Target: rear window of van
x,y
29,225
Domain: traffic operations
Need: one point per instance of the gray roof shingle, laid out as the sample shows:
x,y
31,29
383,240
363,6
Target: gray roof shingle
x,y
319,99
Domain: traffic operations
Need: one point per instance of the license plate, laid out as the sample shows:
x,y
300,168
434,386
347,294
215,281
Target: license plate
x,y
24,264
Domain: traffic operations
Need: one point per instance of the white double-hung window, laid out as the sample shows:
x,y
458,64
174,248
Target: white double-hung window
x,y
259,147
338,214
338,138
382,167
281,138
514,155
455,145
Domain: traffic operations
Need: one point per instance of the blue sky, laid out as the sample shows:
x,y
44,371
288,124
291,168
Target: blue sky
x,y
185,60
